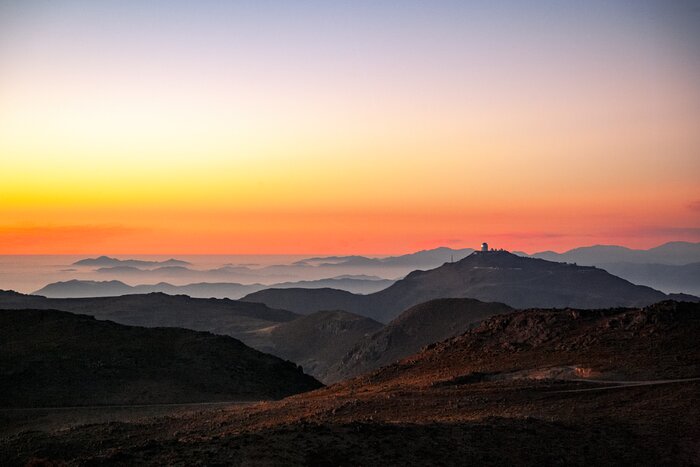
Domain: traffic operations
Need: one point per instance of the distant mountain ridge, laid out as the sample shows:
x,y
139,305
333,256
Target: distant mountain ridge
x,y
675,253
86,288
496,276
105,261
420,259
670,278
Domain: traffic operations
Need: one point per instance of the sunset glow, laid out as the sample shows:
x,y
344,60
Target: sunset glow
x,y
313,127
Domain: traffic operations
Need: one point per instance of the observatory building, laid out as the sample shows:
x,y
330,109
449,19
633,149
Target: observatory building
x,y
484,246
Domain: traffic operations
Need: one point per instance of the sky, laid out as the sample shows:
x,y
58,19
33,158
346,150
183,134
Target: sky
x,y
376,127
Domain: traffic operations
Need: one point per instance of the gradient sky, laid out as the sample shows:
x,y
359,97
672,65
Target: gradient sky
x,y
339,127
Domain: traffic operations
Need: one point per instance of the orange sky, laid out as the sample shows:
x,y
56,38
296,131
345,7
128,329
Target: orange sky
x,y
343,129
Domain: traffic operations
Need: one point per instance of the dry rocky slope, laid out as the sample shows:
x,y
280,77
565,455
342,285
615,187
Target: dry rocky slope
x,y
416,327
535,387
54,358
495,276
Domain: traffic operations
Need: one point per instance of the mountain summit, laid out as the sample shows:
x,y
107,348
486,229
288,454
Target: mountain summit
x,y
491,276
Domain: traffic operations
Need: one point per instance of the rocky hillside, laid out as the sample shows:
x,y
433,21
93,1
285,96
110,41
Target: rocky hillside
x,y
55,358
413,329
647,343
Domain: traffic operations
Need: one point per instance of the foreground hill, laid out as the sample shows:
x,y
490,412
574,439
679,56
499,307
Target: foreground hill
x,y
536,387
413,329
55,358
316,341
224,316
648,343
496,276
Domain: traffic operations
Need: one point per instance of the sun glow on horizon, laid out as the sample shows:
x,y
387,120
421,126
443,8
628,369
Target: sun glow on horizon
x,y
333,128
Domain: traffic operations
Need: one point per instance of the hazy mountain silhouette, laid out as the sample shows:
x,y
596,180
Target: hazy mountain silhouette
x,y
106,261
82,288
496,276
87,288
79,288
316,341
669,278
122,270
615,259
671,267
420,259
669,253
416,327
56,358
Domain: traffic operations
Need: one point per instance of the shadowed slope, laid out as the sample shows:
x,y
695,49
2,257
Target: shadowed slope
x,y
54,358
316,341
220,316
307,301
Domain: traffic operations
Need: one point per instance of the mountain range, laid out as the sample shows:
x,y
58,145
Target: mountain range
x,y
668,267
677,253
418,260
672,253
87,288
341,337
106,261
494,276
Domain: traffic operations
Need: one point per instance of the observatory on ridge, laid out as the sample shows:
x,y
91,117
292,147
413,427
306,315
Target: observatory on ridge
x,y
484,246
